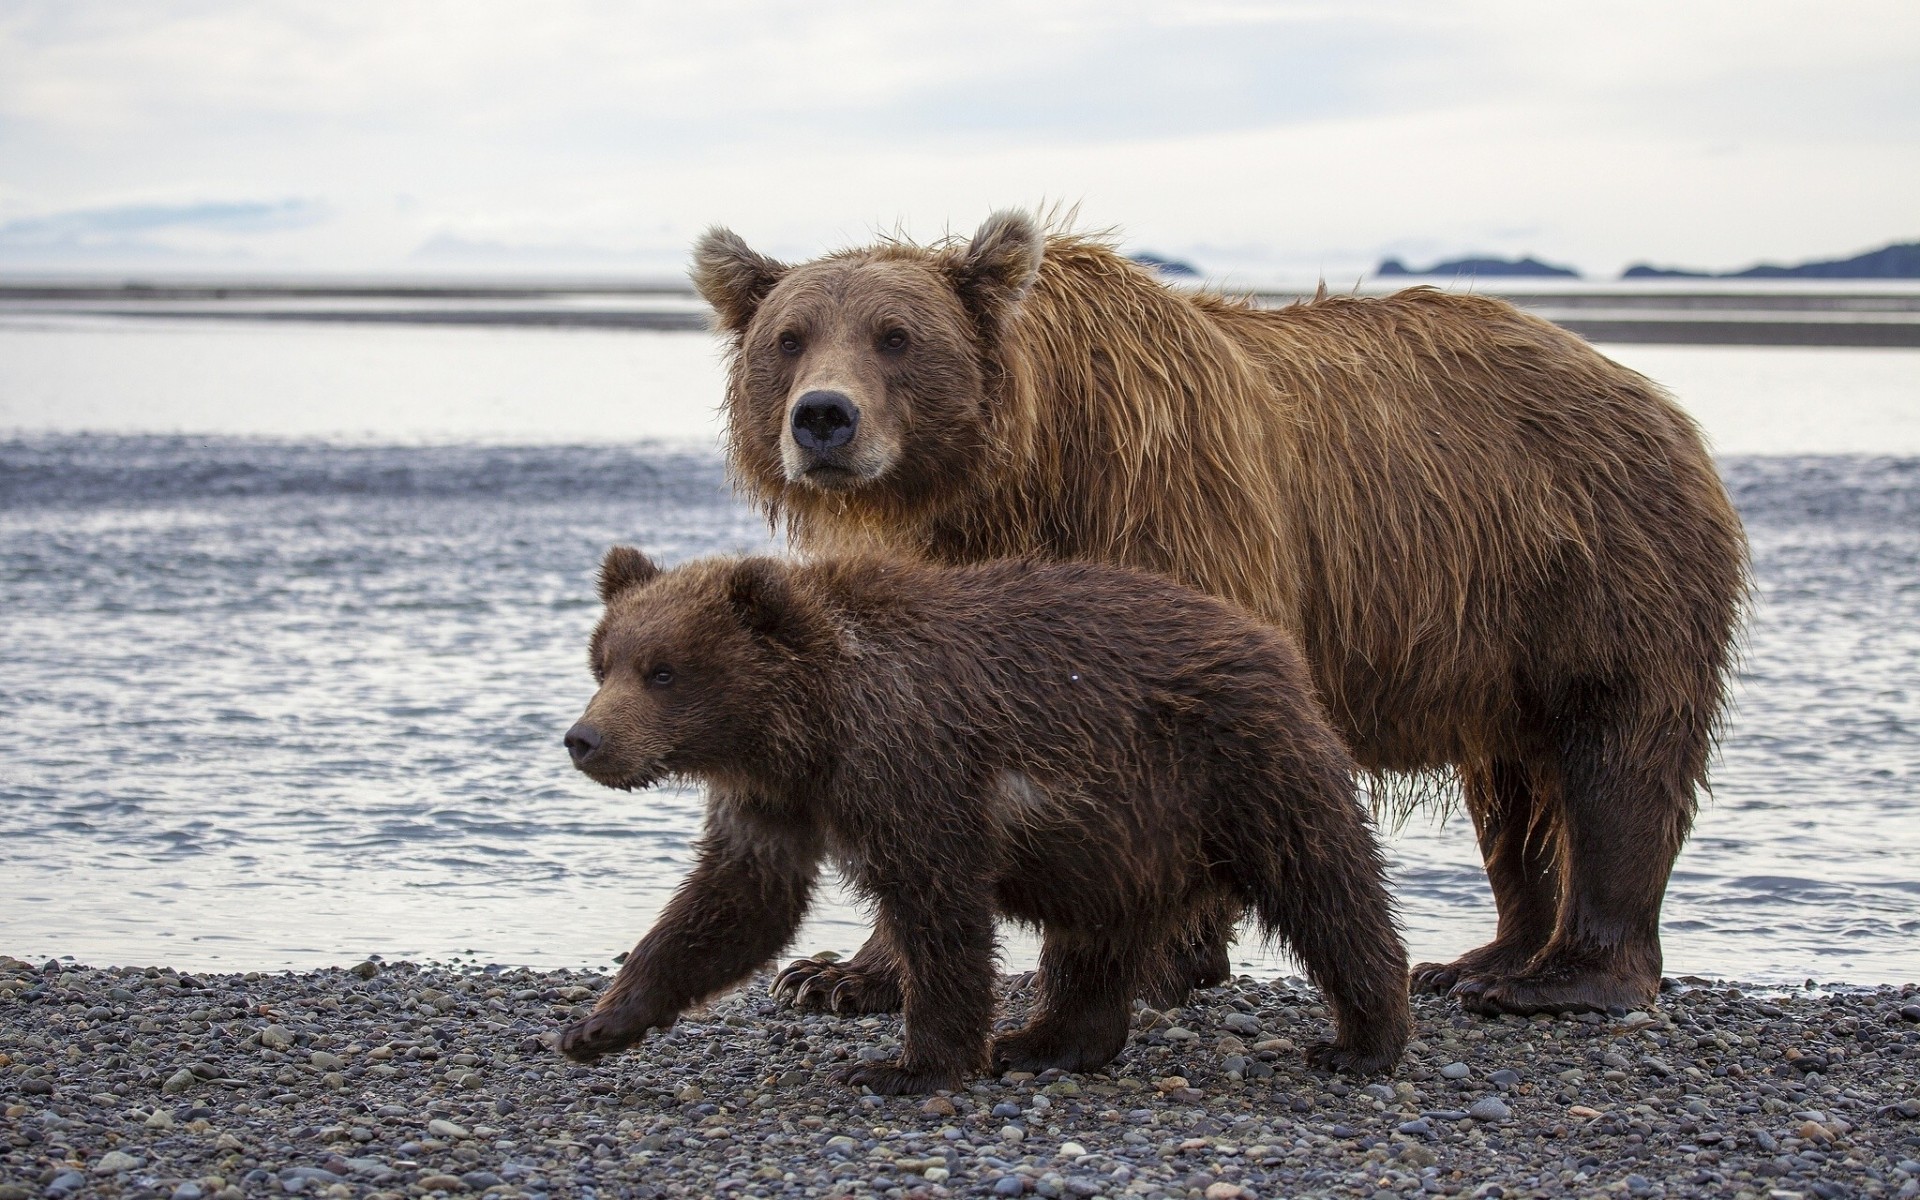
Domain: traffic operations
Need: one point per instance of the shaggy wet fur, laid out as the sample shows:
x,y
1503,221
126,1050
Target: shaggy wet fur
x,y
1095,751
1504,556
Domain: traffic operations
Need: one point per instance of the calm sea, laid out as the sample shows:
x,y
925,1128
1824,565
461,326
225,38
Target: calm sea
x,y
292,619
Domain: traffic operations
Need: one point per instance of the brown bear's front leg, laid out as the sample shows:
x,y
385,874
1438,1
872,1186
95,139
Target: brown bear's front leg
x,y
1080,1023
869,982
740,906
947,973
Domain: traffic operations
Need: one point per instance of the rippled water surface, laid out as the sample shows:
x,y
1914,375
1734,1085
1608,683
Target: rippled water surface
x,y
291,702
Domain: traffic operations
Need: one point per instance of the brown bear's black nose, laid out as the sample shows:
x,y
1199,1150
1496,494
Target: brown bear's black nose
x,y
823,420
582,741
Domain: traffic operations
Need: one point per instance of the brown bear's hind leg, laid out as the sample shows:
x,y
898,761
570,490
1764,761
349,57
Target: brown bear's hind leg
x,y
1080,1022
869,982
1517,843
1626,804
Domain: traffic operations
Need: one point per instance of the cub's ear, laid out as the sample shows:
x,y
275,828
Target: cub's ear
x,y
763,597
732,277
999,266
622,569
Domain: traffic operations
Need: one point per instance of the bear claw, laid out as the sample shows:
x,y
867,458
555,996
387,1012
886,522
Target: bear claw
x,y
831,987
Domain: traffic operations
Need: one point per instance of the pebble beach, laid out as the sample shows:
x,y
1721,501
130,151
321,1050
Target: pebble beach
x,y
398,1080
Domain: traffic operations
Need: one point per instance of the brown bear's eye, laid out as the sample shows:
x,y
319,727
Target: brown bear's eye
x,y
789,344
894,339
660,677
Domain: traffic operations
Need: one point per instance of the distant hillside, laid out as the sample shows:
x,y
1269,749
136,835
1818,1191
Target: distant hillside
x,y
1489,267
1898,261
1166,266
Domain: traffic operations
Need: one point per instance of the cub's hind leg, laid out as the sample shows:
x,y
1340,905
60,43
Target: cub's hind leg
x,y
1086,984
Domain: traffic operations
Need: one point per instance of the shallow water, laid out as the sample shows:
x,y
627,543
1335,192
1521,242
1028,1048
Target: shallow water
x,y
294,701
288,703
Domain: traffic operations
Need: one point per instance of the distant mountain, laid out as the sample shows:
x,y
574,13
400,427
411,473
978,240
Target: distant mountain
x,y
1898,261
1166,266
1489,267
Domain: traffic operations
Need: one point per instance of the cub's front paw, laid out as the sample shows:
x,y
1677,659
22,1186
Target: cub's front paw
x,y
601,1032
892,1079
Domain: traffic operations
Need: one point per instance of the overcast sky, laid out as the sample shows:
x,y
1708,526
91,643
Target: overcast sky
x,y
1260,139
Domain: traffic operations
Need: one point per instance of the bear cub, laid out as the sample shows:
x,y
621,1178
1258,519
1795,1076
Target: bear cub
x,y
1092,750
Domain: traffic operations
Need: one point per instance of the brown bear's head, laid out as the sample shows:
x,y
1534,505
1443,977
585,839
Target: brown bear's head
x,y
865,372
700,669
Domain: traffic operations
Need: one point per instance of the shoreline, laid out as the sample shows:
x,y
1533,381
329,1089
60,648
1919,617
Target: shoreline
x,y
1876,314
397,1080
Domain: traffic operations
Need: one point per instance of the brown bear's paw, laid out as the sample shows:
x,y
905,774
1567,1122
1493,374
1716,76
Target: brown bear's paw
x,y
893,1079
837,988
1038,1048
1493,960
1546,988
1337,1057
601,1032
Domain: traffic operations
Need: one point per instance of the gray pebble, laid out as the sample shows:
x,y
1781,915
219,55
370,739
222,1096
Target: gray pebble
x,y
723,1105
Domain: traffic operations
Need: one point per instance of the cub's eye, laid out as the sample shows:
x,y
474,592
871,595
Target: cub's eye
x,y
894,339
660,677
789,343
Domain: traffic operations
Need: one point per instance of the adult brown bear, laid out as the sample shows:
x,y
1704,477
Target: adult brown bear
x,y
1503,554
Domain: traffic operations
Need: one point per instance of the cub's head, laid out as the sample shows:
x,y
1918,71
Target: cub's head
x,y
702,669
864,376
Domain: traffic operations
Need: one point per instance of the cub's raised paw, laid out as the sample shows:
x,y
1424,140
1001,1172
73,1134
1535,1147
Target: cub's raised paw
x,y
600,1033
892,1079
1351,1060
818,986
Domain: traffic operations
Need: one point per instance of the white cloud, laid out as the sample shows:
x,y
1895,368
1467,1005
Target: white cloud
x,y
1258,136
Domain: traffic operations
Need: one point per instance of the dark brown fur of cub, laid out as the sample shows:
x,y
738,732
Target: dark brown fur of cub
x,y
1502,554
1096,751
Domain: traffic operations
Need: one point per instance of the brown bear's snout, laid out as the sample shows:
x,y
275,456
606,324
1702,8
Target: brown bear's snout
x,y
583,741
824,421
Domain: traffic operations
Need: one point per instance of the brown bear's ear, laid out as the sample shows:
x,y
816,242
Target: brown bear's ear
x,y
763,598
622,569
732,277
999,266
